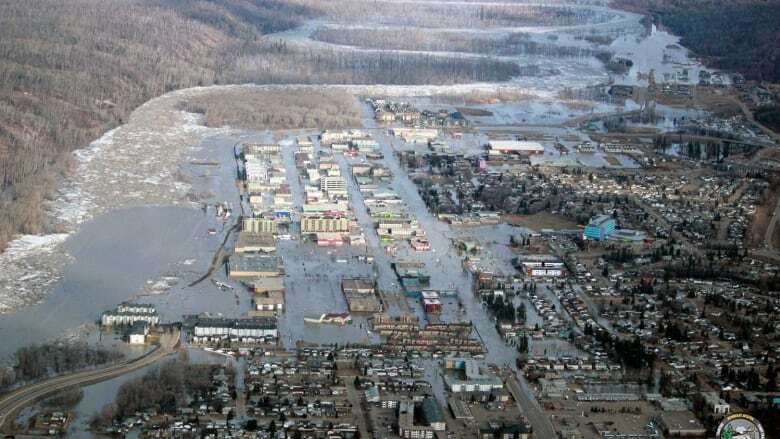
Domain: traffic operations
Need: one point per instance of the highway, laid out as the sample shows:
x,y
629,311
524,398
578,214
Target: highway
x,y
13,402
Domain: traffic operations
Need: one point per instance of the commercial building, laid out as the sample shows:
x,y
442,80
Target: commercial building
x,y
128,314
336,185
237,330
715,404
318,224
248,267
599,228
360,295
269,301
431,302
541,265
515,147
466,375
420,420
416,135
682,423
255,243
260,225
330,239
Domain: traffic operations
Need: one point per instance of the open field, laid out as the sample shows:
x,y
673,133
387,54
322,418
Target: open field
x,y
541,220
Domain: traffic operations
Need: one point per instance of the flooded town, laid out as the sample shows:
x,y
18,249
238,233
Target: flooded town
x,y
588,250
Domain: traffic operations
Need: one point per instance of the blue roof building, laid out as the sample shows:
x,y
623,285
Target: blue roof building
x,y
599,228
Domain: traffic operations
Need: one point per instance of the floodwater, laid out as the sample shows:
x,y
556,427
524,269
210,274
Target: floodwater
x,y
113,256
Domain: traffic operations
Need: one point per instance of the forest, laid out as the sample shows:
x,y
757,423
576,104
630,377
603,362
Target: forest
x,y
50,359
282,63
303,108
735,35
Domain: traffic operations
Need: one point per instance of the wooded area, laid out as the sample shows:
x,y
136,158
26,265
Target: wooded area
x,y
273,109
164,389
39,361
736,35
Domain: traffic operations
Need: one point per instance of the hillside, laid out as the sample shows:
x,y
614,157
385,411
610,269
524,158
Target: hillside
x,y
735,35
70,70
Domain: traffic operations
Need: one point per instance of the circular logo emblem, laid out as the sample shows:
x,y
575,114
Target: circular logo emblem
x,y
740,426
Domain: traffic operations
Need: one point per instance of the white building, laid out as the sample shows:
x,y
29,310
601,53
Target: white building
x,y
334,185
127,314
518,147
240,330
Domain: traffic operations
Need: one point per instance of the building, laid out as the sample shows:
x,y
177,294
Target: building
x,y
319,224
416,135
420,420
128,313
396,229
249,267
260,225
269,301
262,148
599,228
330,239
237,330
541,265
358,286
466,375
715,404
361,295
513,430
138,332
335,185
266,284
680,423
515,147
249,242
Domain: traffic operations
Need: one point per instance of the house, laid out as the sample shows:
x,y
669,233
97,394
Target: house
x,y
138,332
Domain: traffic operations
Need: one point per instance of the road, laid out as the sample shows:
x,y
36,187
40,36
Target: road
x,y
13,402
446,272
542,428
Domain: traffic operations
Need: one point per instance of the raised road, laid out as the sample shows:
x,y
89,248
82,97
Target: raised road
x,y
13,402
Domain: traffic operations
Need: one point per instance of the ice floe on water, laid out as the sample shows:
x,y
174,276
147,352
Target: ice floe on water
x,y
31,265
132,165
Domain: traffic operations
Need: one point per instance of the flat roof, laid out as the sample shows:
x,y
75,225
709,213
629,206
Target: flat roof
x,y
253,323
255,263
515,145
